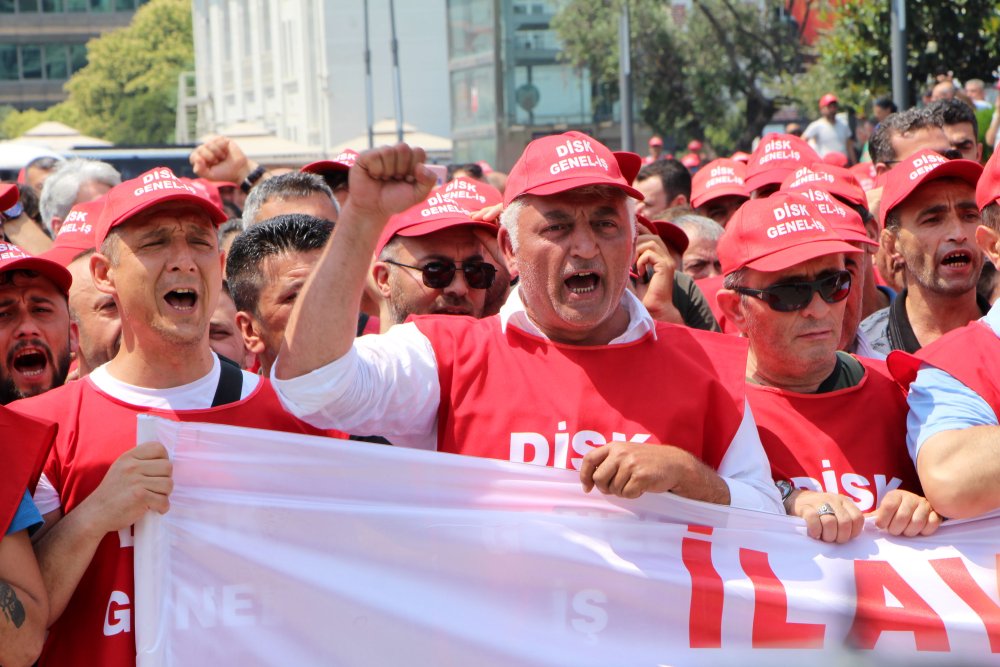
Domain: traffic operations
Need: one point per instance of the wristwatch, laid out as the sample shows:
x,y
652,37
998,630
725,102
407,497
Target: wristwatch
x,y
785,487
13,213
252,178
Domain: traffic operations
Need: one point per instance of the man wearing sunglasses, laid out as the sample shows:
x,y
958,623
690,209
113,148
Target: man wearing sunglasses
x,y
929,215
429,262
562,377
832,424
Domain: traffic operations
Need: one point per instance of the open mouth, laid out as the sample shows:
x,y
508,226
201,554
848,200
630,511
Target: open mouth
x,y
957,258
181,298
30,362
582,283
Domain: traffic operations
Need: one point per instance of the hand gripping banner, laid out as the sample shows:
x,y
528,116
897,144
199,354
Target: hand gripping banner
x,y
284,549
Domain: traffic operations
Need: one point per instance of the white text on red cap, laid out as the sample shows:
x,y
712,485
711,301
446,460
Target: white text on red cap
x,y
456,190
75,223
722,175
162,179
807,175
802,224
825,203
924,164
779,149
576,147
439,204
8,251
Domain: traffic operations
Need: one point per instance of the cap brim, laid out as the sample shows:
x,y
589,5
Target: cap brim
x,y
9,195
719,191
854,236
567,184
431,226
784,258
671,234
51,269
966,170
324,166
63,255
629,165
775,176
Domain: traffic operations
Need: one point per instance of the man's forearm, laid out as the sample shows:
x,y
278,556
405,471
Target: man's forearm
x,y
959,471
64,554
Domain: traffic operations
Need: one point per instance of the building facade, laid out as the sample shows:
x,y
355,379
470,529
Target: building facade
x,y
43,42
297,67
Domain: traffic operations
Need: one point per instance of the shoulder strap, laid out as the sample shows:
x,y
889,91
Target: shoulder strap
x,y
230,383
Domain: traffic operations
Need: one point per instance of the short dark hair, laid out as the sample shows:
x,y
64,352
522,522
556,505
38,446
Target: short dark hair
x,y
880,145
674,176
293,185
293,232
955,111
887,103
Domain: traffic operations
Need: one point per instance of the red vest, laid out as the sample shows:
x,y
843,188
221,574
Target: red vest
x,y
970,354
24,444
94,430
850,441
521,398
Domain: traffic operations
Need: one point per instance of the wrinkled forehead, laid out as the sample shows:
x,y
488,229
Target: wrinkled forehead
x,y
452,242
591,201
807,270
167,215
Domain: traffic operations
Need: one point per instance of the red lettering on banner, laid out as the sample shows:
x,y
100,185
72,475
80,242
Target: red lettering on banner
x,y
771,627
954,573
705,615
873,616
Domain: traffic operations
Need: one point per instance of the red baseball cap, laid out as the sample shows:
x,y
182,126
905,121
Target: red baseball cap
x,y
562,162
844,219
655,141
694,145
9,195
206,188
828,99
12,257
835,180
691,160
343,162
776,233
77,232
718,178
921,167
435,213
865,173
777,156
988,189
157,186
470,193
740,156
672,235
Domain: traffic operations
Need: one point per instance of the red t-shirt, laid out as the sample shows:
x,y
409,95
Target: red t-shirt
x,y
94,430
851,441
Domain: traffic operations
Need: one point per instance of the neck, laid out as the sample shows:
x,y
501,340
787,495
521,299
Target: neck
x,y
873,298
800,383
932,314
162,366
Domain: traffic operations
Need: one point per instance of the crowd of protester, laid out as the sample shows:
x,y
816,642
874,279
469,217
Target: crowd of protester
x,y
789,330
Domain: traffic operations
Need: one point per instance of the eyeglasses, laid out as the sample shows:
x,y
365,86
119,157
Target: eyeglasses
x,y
789,297
438,274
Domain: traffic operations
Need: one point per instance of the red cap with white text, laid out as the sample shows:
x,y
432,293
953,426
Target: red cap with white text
x,y
777,156
921,167
719,178
13,258
562,162
435,213
844,219
470,193
157,186
77,232
838,181
776,233
343,162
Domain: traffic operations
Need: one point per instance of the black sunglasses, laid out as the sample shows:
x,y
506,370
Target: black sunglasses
x,y
788,297
438,274
950,154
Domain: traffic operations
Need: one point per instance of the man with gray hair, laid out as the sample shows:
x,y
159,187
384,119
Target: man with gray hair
x,y
700,259
294,192
74,182
576,352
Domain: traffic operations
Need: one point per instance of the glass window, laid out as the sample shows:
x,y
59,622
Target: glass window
x,y
8,63
52,5
77,57
76,5
124,5
471,26
6,6
28,5
31,62
56,64
100,5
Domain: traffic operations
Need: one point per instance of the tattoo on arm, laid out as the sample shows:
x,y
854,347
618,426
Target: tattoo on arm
x,y
10,606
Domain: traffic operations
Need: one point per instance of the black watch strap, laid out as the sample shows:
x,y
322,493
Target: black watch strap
x,y
252,178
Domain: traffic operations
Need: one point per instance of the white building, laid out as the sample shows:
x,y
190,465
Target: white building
x,y
297,67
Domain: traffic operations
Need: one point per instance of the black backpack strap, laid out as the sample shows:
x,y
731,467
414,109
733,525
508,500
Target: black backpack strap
x,y
230,383
362,323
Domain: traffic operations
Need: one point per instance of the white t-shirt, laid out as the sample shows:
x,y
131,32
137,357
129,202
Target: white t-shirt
x,y
827,138
195,395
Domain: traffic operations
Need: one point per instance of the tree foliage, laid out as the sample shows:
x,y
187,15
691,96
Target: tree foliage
x,y
715,76
127,92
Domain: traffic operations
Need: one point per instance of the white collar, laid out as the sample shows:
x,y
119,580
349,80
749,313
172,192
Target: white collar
x,y
640,322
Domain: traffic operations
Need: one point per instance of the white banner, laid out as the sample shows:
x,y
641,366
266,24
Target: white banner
x,y
283,549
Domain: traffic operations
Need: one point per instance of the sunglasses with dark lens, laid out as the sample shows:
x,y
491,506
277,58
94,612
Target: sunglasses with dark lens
x,y
788,297
950,154
438,274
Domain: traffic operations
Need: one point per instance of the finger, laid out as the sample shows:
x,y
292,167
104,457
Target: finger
x,y
604,475
918,519
814,527
623,475
156,468
591,461
371,163
162,486
158,502
904,513
404,164
887,509
844,524
856,518
633,489
150,450
933,522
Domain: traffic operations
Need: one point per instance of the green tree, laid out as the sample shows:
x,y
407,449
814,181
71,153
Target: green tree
x,y
127,93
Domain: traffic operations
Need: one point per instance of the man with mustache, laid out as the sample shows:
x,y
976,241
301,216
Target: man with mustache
x,y
34,322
